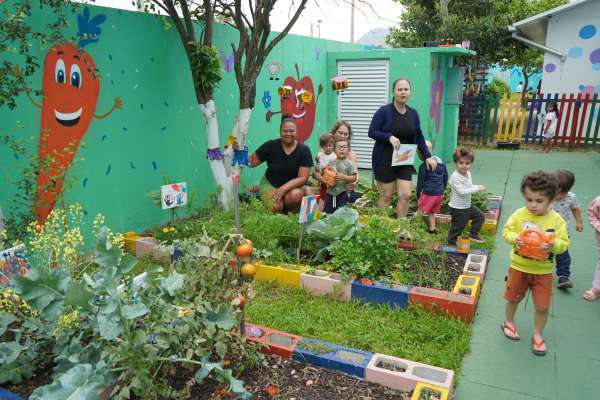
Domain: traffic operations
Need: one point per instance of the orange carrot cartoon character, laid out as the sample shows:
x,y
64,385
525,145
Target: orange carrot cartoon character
x,y
70,88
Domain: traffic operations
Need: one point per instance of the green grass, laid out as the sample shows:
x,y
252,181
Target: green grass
x,y
412,334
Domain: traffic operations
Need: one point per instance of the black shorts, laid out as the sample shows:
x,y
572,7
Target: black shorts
x,y
389,174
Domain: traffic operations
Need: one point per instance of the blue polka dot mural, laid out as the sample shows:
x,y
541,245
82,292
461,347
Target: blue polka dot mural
x,y
587,32
550,67
575,52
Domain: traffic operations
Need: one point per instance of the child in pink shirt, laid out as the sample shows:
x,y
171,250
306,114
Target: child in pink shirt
x,y
593,212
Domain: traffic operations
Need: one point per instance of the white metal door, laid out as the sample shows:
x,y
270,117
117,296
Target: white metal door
x,y
368,88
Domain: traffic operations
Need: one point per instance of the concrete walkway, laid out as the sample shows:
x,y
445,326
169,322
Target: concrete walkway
x,y
497,368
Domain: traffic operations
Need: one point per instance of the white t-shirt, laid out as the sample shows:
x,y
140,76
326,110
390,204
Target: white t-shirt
x,y
461,190
519,88
565,207
550,120
325,159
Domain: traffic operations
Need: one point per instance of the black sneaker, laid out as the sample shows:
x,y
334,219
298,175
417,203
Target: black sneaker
x,y
432,231
564,283
476,238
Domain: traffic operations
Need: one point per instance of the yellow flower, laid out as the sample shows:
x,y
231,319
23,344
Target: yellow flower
x,y
165,230
182,311
173,229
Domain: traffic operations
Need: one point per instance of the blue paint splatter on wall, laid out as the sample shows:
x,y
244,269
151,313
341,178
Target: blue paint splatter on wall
x,y
227,60
154,167
108,169
266,99
85,180
317,54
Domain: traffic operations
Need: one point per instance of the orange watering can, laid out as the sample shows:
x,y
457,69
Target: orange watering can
x,y
533,239
329,174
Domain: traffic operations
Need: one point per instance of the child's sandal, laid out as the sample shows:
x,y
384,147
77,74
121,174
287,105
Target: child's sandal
x,y
591,295
510,331
538,348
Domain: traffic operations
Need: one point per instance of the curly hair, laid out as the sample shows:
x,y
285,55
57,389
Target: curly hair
x,y
564,179
463,152
540,181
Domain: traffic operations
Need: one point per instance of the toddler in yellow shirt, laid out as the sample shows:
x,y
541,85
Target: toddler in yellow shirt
x,y
526,273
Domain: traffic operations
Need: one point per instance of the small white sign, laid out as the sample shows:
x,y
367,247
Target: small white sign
x,y
173,195
404,155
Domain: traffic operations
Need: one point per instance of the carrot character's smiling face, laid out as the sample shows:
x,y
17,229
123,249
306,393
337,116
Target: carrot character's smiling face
x,y
70,88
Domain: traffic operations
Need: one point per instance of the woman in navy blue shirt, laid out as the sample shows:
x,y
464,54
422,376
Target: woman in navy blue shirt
x,y
393,124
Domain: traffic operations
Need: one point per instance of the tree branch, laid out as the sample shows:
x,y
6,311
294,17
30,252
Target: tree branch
x,y
288,27
187,18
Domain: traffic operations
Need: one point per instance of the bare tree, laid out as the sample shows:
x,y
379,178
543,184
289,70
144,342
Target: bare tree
x,y
252,49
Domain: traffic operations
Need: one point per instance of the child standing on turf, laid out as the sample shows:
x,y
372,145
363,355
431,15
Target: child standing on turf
x,y
430,188
567,206
549,126
593,212
346,172
539,189
461,209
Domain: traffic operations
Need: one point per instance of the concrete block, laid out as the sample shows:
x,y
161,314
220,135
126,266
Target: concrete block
x,y
468,285
320,282
476,265
379,293
130,239
458,305
425,391
404,375
273,341
490,226
283,276
146,246
332,356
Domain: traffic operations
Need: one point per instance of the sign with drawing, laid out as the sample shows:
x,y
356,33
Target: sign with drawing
x,y
173,195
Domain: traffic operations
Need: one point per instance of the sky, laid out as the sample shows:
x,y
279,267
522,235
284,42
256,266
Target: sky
x,y
334,16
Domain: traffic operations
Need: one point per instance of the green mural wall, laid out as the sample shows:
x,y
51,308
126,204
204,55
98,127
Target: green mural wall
x,y
158,132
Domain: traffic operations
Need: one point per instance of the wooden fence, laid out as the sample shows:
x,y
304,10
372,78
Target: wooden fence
x,y
516,121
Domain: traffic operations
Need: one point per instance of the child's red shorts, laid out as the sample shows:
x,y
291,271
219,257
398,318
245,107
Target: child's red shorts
x,y
518,282
430,204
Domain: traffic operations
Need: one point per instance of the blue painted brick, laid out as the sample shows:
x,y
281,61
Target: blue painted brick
x,y
379,293
452,250
330,360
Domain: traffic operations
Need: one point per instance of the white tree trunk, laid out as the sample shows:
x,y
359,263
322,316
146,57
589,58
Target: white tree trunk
x,y
223,181
244,121
240,131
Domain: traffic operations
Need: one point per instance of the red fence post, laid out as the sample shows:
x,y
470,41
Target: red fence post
x,y
576,107
586,101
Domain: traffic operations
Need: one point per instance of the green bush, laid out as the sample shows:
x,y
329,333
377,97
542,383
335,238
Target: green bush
x,y
495,91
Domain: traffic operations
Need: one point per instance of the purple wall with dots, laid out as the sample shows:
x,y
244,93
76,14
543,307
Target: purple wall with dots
x,y
576,33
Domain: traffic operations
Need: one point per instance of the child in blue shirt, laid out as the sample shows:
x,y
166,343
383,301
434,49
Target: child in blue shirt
x,y
430,188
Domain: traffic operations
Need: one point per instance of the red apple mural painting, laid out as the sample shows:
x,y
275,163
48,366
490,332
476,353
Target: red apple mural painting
x,y
70,90
301,103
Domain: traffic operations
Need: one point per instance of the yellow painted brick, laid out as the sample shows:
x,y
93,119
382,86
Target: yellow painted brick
x,y
490,226
283,276
129,240
444,393
470,282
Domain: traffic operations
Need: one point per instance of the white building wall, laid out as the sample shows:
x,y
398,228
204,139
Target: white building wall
x,y
576,33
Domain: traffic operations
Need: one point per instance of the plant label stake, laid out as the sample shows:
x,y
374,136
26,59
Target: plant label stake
x,y
235,177
308,213
172,196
